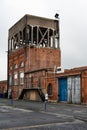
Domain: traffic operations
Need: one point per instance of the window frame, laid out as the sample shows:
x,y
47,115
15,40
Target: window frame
x,y
15,66
22,64
10,80
15,78
50,89
21,78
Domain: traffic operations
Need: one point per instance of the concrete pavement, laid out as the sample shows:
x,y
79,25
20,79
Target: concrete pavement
x,y
32,115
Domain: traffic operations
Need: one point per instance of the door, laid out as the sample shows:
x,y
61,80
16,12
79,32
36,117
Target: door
x,y
74,89
63,89
76,92
69,89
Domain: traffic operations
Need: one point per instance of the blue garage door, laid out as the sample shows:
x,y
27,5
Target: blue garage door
x,y
63,89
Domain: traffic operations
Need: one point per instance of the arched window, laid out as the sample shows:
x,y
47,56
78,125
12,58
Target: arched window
x,y
10,67
49,89
22,64
15,66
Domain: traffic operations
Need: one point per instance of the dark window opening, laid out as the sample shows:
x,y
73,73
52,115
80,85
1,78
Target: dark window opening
x,y
32,80
49,91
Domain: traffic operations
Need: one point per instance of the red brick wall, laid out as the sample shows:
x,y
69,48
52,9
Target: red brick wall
x,y
36,75
39,58
84,87
42,58
3,86
34,58
16,57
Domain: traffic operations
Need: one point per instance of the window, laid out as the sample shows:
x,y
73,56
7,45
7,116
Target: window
x,y
16,66
22,64
27,82
21,78
32,80
56,43
15,78
39,82
49,89
10,67
10,80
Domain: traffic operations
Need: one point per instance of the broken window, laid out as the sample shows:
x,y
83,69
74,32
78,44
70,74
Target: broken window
x,y
27,35
35,35
21,40
16,44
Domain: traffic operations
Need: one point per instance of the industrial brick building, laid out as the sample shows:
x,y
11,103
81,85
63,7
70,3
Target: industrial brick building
x,y
33,52
34,64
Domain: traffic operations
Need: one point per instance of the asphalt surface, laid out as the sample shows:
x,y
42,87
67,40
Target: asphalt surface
x,y
26,115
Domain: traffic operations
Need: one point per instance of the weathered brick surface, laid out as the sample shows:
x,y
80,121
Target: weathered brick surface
x,y
84,87
51,79
16,58
38,42
3,86
39,58
34,58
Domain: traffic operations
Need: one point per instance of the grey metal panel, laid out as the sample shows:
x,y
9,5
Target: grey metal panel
x,y
77,90
69,89
74,89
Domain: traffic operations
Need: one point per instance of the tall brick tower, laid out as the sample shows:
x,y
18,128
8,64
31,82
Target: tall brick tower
x,y
33,51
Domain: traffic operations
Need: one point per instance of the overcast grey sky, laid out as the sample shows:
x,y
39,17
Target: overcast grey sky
x,y
73,27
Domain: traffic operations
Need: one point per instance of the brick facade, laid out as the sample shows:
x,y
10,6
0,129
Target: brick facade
x,y
33,56
38,58
36,44
37,61
3,88
84,86
16,58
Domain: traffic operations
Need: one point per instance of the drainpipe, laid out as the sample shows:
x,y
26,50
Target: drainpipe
x,y
81,85
8,68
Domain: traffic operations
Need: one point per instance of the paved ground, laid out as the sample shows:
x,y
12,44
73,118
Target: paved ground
x,y
25,115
